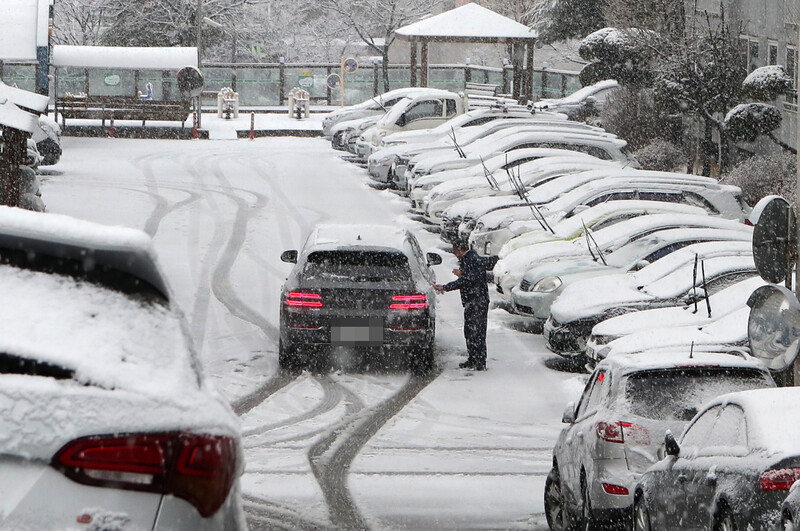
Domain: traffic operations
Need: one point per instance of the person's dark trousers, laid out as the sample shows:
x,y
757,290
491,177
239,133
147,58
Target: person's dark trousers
x,y
475,317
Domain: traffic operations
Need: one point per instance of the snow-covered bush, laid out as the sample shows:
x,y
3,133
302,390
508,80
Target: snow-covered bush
x,y
747,121
616,54
634,116
660,155
767,83
760,176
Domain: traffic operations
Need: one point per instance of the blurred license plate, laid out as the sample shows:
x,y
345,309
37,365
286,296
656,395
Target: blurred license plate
x,y
366,331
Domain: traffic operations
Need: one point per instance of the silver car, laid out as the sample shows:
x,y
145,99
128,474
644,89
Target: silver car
x,y
614,433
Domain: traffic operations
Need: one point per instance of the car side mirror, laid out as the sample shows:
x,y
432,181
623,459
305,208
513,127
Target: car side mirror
x,y
433,259
671,445
569,414
289,256
401,121
641,264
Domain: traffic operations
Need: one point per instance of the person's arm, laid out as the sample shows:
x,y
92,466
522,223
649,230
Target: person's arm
x,y
472,272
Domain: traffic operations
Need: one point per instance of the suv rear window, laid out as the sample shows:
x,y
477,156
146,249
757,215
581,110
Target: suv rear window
x,y
677,394
357,266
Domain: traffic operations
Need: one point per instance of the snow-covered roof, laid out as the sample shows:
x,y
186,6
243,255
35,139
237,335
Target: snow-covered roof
x,y
465,23
24,98
14,117
152,58
18,29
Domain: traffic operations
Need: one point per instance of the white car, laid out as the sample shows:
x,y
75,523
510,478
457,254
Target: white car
x,y
602,146
107,419
375,106
494,232
342,132
721,304
587,302
588,99
543,283
614,433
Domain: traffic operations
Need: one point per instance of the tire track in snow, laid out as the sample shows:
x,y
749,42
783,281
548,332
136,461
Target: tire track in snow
x,y
332,455
267,516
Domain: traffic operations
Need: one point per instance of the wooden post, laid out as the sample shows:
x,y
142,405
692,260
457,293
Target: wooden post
x,y
529,72
505,76
327,88
375,77
467,71
424,66
413,63
282,81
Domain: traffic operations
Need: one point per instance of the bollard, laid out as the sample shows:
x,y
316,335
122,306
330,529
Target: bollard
x,y
194,126
111,129
252,126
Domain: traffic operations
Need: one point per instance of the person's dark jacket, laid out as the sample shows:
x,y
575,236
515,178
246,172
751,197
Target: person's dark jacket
x,y
472,282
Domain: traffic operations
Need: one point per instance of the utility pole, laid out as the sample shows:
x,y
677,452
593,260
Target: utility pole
x,y
198,22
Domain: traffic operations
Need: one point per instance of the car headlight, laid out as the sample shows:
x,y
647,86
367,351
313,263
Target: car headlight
x,y
487,248
547,284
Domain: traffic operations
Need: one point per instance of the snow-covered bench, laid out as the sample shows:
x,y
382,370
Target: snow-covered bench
x,y
120,108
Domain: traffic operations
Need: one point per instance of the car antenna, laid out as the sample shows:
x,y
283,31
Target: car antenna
x,y
691,351
694,282
359,237
705,286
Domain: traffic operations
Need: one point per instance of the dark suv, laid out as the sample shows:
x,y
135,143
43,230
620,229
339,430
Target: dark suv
x,y
358,289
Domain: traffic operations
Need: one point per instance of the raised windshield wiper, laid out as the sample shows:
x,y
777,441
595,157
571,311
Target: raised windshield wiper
x,y
12,364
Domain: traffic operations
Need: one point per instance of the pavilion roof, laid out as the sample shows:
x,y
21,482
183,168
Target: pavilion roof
x,y
468,23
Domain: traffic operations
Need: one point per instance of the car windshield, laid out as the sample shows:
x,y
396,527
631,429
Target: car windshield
x,y
357,266
677,394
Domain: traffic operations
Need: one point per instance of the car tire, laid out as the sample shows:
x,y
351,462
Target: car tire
x,y
787,523
723,521
421,360
554,507
587,522
287,357
641,516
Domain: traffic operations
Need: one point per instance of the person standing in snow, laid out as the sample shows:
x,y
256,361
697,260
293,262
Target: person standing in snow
x,y
471,282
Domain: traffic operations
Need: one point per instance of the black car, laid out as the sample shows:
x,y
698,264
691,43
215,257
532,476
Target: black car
x,y
358,290
732,468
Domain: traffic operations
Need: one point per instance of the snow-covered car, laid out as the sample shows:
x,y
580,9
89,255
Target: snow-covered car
x,y
48,140
697,315
731,467
543,283
109,422
790,512
602,146
418,191
587,302
587,100
390,163
375,106
614,433
493,231
596,217
718,199
342,132
362,288
416,112
562,172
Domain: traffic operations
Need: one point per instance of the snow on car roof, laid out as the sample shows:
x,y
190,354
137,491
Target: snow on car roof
x,y
121,248
771,416
702,250
14,117
24,98
580,94
666,358
334,236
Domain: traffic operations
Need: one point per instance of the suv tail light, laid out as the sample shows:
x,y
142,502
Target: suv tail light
x,y
409,302
617,432
779,479
304,299
198,468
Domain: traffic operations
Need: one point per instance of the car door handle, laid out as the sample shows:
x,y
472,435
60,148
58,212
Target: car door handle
x,y
682,478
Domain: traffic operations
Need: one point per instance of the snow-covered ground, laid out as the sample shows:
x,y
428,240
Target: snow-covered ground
x,y
376,448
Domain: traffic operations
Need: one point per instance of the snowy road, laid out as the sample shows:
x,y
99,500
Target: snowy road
x,y
378,450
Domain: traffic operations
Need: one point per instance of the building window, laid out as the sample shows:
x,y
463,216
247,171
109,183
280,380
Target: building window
x,y
773,53
791,70
750,51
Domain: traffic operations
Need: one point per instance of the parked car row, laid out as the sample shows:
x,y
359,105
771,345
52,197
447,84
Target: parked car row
x,y
645,278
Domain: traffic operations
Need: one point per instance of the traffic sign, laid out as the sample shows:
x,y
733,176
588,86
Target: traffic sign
x,y
333,81
350,65
774,326
775,240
